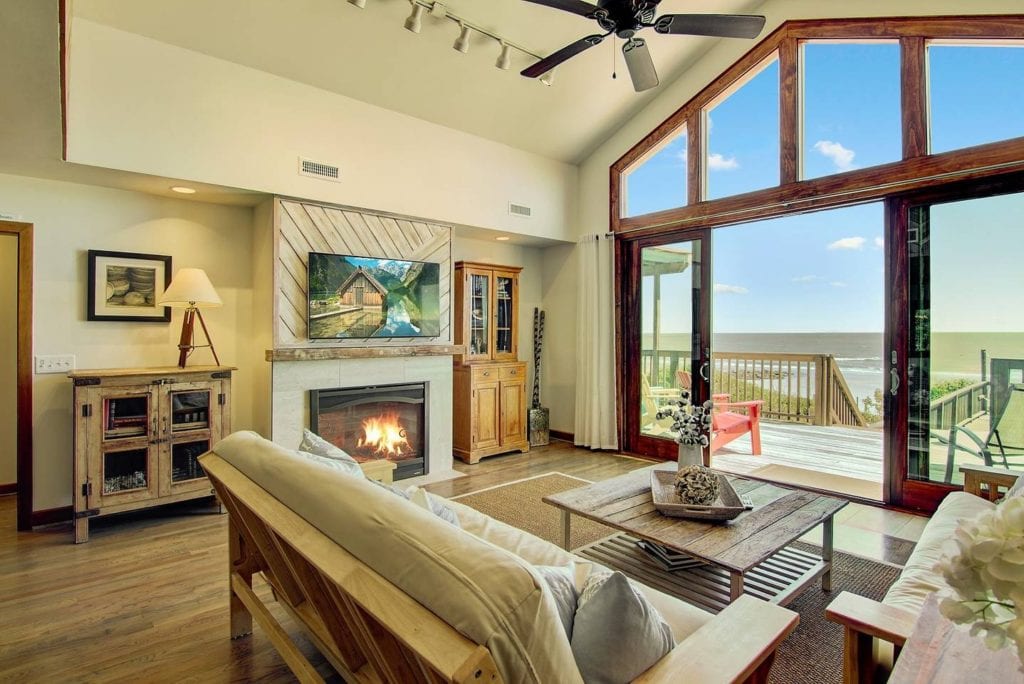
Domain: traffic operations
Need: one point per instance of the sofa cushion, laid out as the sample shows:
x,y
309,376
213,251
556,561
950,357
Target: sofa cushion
x,y
434,504
562,583
919,578
488,594
617,634
682,617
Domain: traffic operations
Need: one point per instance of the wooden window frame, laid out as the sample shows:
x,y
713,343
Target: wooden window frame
x,y
917,170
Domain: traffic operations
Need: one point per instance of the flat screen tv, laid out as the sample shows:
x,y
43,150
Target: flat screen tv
x,y
360,297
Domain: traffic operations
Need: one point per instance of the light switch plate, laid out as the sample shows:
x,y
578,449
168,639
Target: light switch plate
x,y
59,363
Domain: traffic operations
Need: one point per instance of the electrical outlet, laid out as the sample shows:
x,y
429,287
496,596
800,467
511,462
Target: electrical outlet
x,y
62,363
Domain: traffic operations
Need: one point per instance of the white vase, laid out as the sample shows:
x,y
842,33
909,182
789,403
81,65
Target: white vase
x,y
690,454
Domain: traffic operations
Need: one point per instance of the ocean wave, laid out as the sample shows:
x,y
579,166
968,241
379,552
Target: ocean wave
x,y
858,358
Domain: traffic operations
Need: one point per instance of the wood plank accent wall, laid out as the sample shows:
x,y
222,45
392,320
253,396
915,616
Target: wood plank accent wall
x,y
302,227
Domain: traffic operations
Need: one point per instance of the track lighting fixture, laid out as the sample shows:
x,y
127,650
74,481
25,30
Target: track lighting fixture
x,y
462,42
415,21
548,78
505,58
361,4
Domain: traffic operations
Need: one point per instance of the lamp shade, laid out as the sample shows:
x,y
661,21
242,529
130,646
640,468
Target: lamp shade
x,y
190,287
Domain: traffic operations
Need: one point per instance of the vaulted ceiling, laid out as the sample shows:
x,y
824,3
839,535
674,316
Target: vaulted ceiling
x,y
366,54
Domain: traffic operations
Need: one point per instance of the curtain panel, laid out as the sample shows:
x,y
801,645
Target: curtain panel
x,y
595,424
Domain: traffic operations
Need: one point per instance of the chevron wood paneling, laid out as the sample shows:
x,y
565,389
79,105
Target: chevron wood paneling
x,y
303,227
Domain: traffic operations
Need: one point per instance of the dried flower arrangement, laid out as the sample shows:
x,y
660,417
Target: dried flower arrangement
x,y
692,424
697,485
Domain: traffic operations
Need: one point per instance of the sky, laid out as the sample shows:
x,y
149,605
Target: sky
x,y
824,272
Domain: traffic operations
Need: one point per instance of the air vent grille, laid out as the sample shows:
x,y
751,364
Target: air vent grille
x,y
520,210
322,170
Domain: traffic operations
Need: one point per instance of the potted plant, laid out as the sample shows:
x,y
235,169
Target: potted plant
x,y
691,425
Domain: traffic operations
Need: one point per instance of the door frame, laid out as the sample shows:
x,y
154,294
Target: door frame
x,y
628,289
899,490
23,232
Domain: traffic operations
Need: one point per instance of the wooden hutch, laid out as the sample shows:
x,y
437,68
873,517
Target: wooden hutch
x,y
139,433
489,381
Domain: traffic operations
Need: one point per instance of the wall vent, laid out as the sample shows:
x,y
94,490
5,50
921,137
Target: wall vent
x,y
520,210
321,170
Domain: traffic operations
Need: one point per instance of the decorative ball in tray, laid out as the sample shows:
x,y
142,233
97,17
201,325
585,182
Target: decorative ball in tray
x,y
695,492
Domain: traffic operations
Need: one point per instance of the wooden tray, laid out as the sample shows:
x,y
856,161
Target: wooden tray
x,y
726,507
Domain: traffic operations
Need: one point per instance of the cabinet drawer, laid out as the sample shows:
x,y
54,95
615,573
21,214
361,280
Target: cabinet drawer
x,y
516,372
485,374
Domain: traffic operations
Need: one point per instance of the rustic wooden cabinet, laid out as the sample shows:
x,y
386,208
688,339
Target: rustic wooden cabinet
x,y
490,381
139,433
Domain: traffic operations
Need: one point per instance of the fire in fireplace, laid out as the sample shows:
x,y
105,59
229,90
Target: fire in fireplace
x,y
381,421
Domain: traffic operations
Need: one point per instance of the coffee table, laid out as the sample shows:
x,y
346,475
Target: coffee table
x,y
750,554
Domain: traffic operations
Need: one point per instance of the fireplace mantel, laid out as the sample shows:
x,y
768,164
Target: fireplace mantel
x,y
329,353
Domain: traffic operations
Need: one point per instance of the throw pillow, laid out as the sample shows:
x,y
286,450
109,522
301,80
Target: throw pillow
x,y
313,443
420,497
617,633
333,463
560,580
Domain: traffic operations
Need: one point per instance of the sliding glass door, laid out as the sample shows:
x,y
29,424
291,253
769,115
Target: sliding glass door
x,y
666,330
962,337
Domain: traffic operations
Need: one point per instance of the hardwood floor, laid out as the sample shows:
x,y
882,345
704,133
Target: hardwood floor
x,y
146,599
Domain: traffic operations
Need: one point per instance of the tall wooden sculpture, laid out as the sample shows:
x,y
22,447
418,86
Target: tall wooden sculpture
x,y
539,417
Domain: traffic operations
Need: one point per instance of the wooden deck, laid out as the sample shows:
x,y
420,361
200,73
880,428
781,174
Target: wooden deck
x,y
843,459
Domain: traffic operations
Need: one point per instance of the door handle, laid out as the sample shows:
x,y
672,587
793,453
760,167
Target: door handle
x,y
703,371
894,375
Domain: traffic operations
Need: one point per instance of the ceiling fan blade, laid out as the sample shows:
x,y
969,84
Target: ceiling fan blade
x,y
554,59
720,25
640,64
584,9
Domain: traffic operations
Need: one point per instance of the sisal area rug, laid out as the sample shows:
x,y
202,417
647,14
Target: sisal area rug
x,y
812,654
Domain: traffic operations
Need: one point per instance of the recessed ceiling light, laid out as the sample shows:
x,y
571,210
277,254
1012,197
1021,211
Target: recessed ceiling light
x,y
183,190
503,238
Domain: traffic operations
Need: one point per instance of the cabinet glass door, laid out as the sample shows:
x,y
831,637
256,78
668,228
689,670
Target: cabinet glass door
x,y
479,315
504,305
193,413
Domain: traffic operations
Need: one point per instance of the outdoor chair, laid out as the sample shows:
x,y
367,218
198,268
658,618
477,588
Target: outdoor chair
x,y
653,399
1004,445
730,419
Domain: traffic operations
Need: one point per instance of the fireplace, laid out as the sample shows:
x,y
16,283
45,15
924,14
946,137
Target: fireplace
x,y
380,421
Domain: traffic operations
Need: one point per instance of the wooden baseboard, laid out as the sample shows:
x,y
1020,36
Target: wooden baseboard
x,y
11,488
563,436
51,515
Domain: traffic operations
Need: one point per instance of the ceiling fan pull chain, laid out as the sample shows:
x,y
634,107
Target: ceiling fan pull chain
x,y
615,59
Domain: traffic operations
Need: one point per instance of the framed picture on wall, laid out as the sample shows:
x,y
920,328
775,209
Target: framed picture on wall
x,y
124,286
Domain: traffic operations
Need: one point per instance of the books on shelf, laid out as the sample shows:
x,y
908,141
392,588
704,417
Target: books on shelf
x,y
667,558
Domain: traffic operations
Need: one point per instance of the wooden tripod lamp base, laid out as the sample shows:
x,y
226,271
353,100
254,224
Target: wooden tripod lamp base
x,y
187,341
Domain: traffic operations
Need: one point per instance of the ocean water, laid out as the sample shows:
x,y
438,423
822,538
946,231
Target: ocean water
x,y
861,355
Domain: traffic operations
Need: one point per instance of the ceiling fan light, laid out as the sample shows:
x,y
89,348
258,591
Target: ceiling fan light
x,y
462,42
548,78
415,21
505,58
361,4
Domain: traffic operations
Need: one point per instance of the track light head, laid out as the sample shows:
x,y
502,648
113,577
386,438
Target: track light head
x,y
548,78
462,42
505,58
415,21
361,4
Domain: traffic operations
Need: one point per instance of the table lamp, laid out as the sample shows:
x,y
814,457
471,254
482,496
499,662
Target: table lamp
x,y
191,289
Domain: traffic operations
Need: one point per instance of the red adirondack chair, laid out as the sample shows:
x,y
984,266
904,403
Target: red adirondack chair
x,y
730,419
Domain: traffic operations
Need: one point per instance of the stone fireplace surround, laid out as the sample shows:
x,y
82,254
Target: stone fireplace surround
x,y
292,380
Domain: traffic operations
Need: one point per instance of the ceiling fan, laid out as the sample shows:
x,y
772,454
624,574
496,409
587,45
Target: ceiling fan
x,y
625,18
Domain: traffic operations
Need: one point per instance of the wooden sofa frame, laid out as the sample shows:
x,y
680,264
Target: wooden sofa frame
x,y
371,631
864,621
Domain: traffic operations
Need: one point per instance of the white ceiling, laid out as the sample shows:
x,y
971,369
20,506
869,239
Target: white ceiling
x,y
367,55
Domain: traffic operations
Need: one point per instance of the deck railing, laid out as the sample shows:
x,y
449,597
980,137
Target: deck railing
x,y
801,388
959,407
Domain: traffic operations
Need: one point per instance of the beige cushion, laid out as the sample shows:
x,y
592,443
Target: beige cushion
x,y
919,578
486,593
683,618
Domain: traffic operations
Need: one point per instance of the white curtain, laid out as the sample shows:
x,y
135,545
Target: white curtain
x,y
595,425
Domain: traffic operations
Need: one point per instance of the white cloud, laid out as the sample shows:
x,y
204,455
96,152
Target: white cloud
x,y
840,156
717,162
848,243
837,283
730,289
879,243
805,279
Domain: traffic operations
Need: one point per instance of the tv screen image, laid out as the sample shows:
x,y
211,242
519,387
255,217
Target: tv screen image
x,y
359,297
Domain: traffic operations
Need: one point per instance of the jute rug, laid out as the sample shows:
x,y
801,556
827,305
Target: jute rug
x,y
812,654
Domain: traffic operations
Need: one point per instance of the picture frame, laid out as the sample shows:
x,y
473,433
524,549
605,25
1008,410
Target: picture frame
x,y
125,286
